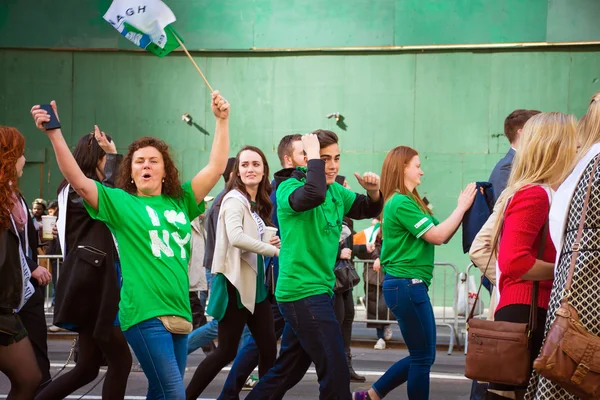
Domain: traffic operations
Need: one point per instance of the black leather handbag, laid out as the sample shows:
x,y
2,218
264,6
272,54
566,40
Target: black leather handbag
x,y
346,276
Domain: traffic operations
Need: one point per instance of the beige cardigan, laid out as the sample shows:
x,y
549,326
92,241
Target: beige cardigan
x,y
236,247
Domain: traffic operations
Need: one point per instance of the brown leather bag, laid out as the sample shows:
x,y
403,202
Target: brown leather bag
x,y
570,356
499,351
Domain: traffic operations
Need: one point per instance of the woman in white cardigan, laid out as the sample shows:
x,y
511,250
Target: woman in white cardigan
x,y
238,294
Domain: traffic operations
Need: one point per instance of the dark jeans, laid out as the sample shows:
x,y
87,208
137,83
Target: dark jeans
x,y
162,355
231,327
410,304
520,313
247,359
344,313
311,334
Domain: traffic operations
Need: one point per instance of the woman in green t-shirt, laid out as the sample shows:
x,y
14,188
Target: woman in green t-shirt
x,y
410,232
239,294
149,217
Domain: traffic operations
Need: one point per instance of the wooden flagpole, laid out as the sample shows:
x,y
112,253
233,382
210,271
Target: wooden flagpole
x,y
193,62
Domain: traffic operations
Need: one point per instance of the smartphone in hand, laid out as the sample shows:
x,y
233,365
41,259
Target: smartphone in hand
x,y
53,123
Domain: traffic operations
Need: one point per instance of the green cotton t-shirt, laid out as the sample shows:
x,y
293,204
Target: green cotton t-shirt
x,y
153,235
309,242
405,254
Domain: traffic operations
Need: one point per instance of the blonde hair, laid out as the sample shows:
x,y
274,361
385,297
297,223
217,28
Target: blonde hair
x,y
547,148
588,128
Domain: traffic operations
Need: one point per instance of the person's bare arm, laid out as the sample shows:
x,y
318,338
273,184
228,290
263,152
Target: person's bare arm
x,y
83,185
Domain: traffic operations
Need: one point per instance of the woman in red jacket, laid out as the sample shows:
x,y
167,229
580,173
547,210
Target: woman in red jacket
x,y
546,150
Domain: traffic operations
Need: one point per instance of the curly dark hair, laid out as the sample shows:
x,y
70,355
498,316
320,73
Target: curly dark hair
x,y
171,186
263,207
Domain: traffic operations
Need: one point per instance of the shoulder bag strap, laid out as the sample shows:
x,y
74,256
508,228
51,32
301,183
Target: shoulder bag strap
x,y
576,246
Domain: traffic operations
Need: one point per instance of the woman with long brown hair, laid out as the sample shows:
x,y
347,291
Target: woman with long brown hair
x,y
150,215
239,293
17,359
410,232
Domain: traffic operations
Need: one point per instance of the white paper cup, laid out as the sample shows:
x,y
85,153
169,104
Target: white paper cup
x,y
268,234
48,222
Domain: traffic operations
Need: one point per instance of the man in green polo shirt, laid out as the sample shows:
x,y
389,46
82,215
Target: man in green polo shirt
x,y
311,207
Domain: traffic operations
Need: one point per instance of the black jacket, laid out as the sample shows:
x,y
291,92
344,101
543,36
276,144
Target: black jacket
x,y
87,291
11,277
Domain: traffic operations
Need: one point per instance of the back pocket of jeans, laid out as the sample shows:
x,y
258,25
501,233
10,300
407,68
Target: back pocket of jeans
x,y
390,294
418,293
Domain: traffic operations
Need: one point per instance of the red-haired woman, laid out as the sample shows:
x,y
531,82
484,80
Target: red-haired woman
x,y
17,358
410,234
150,215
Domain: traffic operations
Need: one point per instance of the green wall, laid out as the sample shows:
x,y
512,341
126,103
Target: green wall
x,y
449,106
247,24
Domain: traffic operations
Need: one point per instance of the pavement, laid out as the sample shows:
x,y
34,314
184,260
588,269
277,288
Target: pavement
x,y
447,379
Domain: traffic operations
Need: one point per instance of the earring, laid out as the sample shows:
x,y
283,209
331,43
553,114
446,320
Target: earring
x,y
163,180
131,180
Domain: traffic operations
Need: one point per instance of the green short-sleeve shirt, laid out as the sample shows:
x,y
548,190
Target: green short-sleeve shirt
x,y
153,235
405,254
309,242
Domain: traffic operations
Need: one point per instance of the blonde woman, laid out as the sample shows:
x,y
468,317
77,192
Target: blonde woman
x,y
565,213
546,151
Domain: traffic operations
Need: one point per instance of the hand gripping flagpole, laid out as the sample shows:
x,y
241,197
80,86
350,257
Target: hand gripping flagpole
x,y
192,60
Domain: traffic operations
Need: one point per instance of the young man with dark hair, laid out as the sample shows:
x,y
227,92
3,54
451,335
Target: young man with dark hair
x,y
310,209
291,155
513,126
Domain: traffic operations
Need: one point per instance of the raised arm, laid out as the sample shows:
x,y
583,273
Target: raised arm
x,y
113,160
312,193
83,185
443,232
208,177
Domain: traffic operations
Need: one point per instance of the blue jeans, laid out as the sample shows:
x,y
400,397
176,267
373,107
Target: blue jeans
x,y
311,333
162,356
478,390
247,359
208,332
410,304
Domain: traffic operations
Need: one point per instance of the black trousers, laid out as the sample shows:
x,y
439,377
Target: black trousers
x,y
520,313
344,313
33,318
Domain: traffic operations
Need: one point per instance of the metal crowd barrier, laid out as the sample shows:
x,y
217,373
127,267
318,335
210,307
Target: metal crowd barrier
x,y
50,287
442,286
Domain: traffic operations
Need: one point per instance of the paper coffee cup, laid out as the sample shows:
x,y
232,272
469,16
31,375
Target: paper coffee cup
x,y
48,222
268,234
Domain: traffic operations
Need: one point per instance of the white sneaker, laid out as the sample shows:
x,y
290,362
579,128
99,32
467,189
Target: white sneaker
x,y
387,332
380,345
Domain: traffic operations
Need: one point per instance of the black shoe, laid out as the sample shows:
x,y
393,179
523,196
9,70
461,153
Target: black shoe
x,y
354,377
